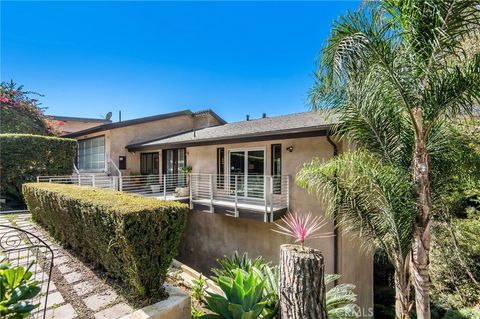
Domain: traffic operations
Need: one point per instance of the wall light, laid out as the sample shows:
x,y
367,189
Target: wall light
x,y
290,148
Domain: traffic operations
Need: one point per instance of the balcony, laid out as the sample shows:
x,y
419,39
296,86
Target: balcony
x,y
260,197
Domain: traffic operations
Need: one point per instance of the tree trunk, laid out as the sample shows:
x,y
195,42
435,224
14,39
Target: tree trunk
x,y
421,235
301,284
402,290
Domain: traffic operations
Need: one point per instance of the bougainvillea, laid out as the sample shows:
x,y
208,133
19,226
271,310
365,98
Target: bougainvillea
x,y
20,113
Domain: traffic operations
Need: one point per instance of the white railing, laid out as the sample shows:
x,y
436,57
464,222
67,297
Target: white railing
x,y
164,186
262,193
80,179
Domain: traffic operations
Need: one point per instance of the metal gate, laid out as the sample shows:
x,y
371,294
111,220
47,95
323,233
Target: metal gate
x,y
19,247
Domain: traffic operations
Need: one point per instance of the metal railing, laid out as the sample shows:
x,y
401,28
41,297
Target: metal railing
x,y
102,181
263,193
165,186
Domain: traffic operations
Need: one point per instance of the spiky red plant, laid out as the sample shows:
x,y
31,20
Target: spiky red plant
x,y
302,227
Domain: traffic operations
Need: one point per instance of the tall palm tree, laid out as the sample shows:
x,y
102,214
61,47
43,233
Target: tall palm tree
x,y
399,72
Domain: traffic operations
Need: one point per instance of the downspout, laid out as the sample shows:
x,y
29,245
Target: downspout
x,y
335,230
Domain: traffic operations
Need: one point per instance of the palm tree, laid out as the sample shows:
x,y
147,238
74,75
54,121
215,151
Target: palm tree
x,y
399,72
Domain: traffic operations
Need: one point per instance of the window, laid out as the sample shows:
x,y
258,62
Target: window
x,y
173,161
277,168
221,168
149,164
91,154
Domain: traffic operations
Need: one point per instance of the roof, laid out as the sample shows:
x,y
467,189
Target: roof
x,y
78,119
110,126
278,127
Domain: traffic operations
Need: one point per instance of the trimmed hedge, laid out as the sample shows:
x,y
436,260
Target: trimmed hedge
x,y
23,157
134,238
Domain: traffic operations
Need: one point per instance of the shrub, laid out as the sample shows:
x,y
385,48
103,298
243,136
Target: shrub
x,y
133,237
23,157
244,298
16,289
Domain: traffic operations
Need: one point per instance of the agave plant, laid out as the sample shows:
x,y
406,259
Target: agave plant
x,y
340,299
302,227
244,298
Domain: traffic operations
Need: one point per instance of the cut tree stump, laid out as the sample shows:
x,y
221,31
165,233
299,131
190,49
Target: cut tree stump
x,y
301,284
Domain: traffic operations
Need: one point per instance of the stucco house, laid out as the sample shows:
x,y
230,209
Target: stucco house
x,y
242,180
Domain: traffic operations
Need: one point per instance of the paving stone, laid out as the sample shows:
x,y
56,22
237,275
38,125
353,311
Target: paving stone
x,y
101,300
114,312
62,312
61,260
73,277
51,288
64,269
54,298
83,288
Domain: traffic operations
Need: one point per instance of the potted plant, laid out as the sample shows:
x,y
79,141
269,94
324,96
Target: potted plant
x,y
184,189
154,183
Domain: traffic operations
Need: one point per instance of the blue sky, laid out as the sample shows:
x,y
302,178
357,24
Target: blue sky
x,y
147,58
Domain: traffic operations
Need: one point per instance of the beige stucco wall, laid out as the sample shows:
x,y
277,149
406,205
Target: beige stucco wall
x,y
210,236
75,126
116,139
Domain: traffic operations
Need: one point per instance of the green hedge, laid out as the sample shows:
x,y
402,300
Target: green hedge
x,y
23,157
134,238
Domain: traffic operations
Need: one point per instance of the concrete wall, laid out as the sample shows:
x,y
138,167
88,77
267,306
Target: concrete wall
x,y
210,236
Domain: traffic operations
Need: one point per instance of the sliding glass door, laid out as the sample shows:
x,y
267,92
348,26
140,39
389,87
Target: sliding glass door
x,y
247,167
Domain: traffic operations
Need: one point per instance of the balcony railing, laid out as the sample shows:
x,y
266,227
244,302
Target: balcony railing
x,y
252,196
241,194
170,186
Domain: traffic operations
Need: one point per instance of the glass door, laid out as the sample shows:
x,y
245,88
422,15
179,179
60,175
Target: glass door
x,y
173,163
248,166
237,172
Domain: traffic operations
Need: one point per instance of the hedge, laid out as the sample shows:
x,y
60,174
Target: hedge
x,y
23,157
133,237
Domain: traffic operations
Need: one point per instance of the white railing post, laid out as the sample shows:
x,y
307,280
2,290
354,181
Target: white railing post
x,y
288,193
38,179
210,186
49,180
93,180
120,183
190,189
271,198
164,187
236,196
265,198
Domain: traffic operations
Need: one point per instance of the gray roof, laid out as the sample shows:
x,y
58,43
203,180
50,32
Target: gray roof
x,y
78,119
285,126
110,126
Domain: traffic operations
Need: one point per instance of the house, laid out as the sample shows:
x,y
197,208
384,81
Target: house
x,y
242,180
75,124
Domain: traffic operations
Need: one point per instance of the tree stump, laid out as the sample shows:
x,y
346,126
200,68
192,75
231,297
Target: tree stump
x,y
302,283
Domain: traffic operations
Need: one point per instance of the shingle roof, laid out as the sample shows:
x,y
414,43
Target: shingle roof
x,y
78,119
256,128
110,126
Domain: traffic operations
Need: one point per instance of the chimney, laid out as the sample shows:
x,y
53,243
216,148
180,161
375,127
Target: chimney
x,y
264,115
248,117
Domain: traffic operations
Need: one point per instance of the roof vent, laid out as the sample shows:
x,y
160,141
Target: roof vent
x,y
264,115
248,117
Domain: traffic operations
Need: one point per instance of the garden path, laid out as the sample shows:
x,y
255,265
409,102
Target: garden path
x,y
77,291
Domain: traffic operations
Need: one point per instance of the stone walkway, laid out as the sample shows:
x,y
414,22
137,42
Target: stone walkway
x,y
75,290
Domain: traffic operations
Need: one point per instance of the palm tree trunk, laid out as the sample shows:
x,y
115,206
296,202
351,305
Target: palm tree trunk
x,y
402,290
421,237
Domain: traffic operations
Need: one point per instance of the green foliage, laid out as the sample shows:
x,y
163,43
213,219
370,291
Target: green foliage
x,y
23,157
16,289
465,313
198,289
243,299
134,238
262,269
340,299
22,114
456,254
196,313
